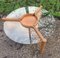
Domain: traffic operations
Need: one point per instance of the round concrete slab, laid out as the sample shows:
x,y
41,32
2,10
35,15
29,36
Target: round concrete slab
x,y
15,31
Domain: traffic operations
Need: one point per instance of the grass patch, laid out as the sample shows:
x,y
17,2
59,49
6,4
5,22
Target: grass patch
x,y
53,6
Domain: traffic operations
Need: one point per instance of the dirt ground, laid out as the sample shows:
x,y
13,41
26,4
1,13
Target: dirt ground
x,y
11,49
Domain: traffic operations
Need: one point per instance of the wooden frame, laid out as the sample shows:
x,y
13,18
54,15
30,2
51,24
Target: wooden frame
x,y
30,21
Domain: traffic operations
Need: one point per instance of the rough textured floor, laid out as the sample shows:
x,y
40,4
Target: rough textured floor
x,y
10,49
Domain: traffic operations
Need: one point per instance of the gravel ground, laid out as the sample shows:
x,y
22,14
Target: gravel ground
x,y
11,49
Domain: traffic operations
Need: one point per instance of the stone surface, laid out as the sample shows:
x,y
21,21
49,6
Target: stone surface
x,y
47,25
11,49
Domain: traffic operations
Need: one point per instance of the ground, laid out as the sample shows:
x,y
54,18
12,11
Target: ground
x,y
11,49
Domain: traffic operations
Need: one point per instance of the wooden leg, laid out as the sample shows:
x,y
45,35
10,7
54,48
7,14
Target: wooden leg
x,y
43,40
42,47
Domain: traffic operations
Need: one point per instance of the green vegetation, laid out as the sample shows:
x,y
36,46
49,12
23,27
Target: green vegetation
x,y
53,6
